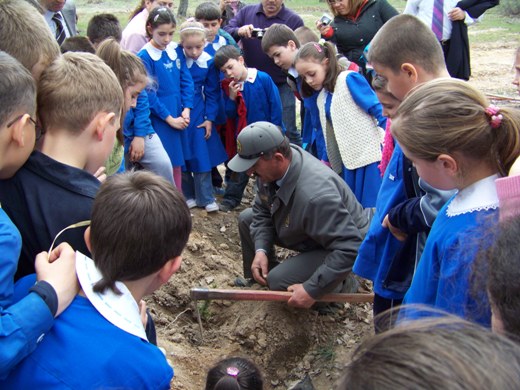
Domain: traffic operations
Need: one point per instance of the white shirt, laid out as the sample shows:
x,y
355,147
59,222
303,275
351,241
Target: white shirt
x,y
52,24
423,9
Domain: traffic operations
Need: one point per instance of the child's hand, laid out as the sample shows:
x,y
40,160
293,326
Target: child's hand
x,y
177,123
186,114
136,149
395,231
245,31
234,87
207,125
59,270
100,174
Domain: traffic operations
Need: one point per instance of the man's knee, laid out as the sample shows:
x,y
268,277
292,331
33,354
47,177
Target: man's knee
x,y
244,220
276,280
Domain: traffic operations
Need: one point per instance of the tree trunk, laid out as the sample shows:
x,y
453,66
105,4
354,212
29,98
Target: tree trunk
x,y
183,8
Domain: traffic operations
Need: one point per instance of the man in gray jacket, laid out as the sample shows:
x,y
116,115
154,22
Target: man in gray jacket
x,y
302,205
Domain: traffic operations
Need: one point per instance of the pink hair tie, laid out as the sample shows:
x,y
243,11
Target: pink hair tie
x,y
495,119
232,371
318,47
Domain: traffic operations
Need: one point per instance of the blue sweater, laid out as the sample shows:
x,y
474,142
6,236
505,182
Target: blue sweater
x,y
84,351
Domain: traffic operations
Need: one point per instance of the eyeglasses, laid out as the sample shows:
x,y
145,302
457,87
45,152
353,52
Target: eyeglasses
x,y
36,127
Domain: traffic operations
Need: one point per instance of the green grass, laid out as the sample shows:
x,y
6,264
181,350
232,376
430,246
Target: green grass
x,y
494,27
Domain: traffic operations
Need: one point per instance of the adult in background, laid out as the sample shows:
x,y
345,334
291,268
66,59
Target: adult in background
x,y
261,16
449,21
61,17
302,205
134,34
355,24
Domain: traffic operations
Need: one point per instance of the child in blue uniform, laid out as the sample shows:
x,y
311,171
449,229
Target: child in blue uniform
x,y
205,146
171,98
251,96
143,148
140,225
349,114
456,140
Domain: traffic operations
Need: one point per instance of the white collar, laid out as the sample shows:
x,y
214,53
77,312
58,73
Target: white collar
x,y
251,75
156,54
202,61
120,310
218,42
479,196
293,72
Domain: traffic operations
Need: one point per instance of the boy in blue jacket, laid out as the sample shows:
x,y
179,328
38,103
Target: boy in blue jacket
x,y
251,96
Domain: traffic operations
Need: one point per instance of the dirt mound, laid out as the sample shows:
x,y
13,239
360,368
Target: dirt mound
x,y
286,343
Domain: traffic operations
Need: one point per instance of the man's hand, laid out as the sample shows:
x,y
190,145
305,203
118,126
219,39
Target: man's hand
x,y
59,270
136,149
260,268
401,236
207,125
245,31
456,14
300,298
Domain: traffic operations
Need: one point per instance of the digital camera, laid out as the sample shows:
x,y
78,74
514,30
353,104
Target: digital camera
x,y
325,19
258,32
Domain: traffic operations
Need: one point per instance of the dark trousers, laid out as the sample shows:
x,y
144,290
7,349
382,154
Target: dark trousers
x,y
291,271
385,321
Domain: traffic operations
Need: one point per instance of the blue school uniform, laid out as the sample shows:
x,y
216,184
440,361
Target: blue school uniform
x,y
261,98
443,277
380,246
10,247
209,153
364,181
172,93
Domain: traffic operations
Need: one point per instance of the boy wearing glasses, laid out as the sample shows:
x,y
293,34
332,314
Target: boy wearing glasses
x,y
22,323
99,342
79,104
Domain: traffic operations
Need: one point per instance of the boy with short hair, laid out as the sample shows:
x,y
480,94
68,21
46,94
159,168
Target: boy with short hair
x,y
23,322
251,96
281,44
208,14
100,341
103,26
79,106
77,43
406,53
25,35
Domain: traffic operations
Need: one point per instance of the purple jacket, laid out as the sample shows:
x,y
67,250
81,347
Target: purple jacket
x,y
253,54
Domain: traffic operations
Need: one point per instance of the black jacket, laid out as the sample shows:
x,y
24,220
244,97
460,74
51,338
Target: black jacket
x,y
351,37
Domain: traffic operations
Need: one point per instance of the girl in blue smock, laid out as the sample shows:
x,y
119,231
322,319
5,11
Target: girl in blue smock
x,y
456,140
205,147
350,115
171,95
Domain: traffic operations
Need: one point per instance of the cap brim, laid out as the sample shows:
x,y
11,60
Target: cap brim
x,y
239,164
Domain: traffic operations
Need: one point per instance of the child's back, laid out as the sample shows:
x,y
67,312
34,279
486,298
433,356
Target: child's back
x,y
100,341
56,187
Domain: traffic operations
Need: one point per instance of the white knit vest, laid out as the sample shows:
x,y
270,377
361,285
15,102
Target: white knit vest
x,y
353,137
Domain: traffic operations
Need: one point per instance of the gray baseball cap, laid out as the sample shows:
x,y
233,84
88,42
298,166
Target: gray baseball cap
x,y
253,141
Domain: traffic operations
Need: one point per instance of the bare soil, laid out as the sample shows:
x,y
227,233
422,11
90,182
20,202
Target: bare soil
x,y
286,343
